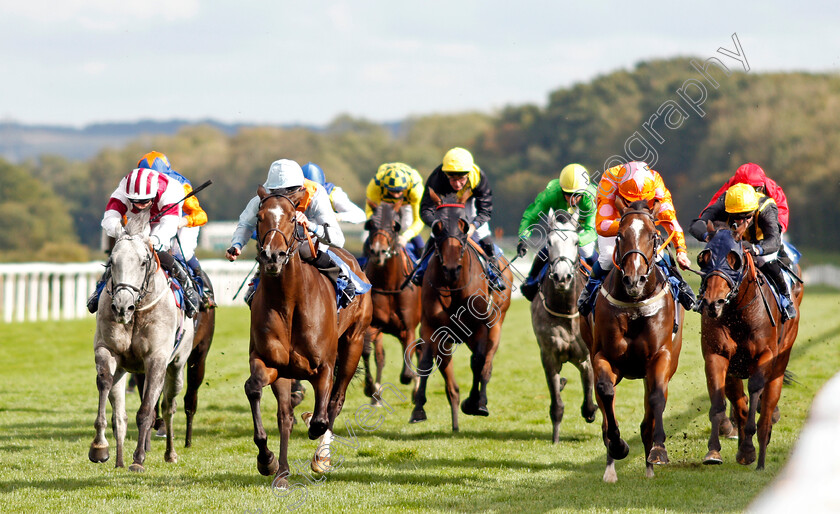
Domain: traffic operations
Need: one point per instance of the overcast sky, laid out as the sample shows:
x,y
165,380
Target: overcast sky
x,y
81,61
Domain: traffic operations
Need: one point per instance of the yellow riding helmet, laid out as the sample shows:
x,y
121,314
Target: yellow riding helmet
x,y
574,178
741,198
458,160
394,176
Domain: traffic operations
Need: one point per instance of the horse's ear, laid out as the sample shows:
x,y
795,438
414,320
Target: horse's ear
x,y
261,192
398,205
734,260
297,196
710,227
371,204
620,204
434,196
657,206
369,224
467,195
704,259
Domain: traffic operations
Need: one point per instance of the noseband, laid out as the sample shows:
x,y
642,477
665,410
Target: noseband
x,y
137,293
719,267
648,260
291,247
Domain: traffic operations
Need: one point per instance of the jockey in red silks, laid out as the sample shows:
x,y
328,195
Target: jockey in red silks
x,y
752,174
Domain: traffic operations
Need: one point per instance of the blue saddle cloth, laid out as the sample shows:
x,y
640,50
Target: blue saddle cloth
x,y
361,286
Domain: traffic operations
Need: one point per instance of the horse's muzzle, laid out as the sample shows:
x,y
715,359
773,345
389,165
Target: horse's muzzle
x,y
714,308
450,275
634,285
122,313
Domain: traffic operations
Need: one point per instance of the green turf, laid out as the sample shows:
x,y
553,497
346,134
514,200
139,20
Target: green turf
x,y
504,463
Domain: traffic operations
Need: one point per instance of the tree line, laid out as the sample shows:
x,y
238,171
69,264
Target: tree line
x,y
789,123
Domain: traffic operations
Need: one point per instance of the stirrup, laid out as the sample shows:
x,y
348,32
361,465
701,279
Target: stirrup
x,y
788,311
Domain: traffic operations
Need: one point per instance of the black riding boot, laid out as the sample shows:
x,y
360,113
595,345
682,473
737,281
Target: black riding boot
x,y
773,271
495,274
531,286
207,299
420,271
685,296
587,296
178,272
252,288
326,266
93,301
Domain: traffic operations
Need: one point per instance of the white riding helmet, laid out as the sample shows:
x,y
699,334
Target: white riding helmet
x,y
141,184
284,173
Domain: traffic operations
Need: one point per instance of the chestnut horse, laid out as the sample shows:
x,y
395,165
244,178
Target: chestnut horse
x,y
742,337
556,321
631,334
458,306
297,332
395,311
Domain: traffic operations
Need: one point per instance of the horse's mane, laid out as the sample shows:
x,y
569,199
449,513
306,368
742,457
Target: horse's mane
x,y
639,205
565,218
451,198
137,224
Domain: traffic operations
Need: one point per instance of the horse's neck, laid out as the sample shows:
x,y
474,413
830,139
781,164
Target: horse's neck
x,y
747,300
286,282
389,273
470,265
559,298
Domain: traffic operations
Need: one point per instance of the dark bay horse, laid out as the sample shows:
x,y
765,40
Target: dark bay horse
x,y
742,337
139,329
631,334
297,332
556,321
458,306
395,311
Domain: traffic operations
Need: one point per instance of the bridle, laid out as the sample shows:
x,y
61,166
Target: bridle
x,y
717,270
137,293
648,260
461,238
291,246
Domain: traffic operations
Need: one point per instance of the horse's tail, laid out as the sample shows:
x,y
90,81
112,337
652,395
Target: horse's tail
x,y
789,378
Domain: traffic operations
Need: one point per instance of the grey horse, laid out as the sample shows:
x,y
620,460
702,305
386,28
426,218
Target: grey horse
x,y
556,322
136,328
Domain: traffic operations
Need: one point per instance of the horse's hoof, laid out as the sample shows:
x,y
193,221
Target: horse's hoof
x,y
171,457
473,408
417,416
658,455
713,457
136,468
161,432
746,457
188,442
406,378
297,398
370,390
280,482
777,415
317,428
727,429
98,455
619,450
562,383
320,464
306,417
588,413
268,468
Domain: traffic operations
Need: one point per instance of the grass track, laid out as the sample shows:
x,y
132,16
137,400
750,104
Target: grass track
x,y
502,463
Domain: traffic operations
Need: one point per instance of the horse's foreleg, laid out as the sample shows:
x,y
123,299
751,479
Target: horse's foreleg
x,y
370,335
155,370
587,379
282,389
119,419
379,355
656,385
755,384
738,406
261,376
106,366
605,380
453,394
407,374
195,377
770,399
428,361
716,366
555,384
172,385
323,389
349,350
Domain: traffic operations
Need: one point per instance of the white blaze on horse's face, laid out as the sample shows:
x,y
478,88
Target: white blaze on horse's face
x,y
129,259
562,253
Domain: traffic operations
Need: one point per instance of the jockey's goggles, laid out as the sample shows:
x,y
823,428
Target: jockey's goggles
x,y
136,201
456,174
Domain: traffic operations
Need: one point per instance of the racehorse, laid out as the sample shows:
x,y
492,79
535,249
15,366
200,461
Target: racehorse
x,y
139,329
556,321
297,332
742,337
635,332
458,306
205,327
395,311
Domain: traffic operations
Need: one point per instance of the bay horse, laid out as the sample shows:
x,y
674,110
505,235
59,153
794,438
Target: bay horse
x,y
742,337
396,311
635,332
458,306
556,321
139,329
298,333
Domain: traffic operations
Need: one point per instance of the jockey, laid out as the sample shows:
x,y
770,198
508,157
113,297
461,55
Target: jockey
x,y
193,217
314,213
459,174
632,182
742,204
395,181
141,189
752,174
572,193
345,210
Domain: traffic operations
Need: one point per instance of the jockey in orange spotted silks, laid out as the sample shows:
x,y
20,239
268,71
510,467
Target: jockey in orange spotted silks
x,y
633,182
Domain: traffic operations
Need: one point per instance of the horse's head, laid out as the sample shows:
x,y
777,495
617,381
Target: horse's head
x,y
133,263
722,264
636,244
277,227
384,227
562,249
450,233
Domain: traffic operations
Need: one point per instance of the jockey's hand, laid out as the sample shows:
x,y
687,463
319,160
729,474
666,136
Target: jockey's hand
x,y
521,248
301,218
682,260
403,240
471,230
183,222
154,240
232,253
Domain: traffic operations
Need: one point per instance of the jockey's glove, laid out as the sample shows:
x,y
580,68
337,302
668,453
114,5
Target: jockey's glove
x,y
521,248
315,229
156,243
757,250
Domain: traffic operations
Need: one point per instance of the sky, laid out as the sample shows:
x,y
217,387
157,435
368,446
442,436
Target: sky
x,y
76,62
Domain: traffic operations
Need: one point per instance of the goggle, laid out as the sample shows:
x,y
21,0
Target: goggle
x,y
456,174
136,202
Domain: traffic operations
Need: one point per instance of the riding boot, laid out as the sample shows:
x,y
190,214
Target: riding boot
x,y
207,300
93,301
420,270
252,288
773,271
531,286
191,299
587,296
337,275
686,295
494,274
